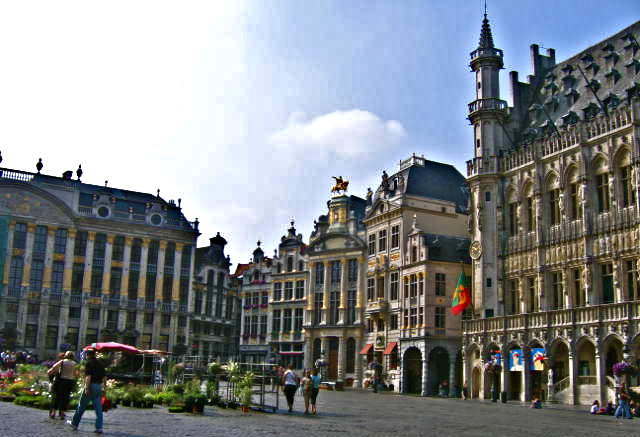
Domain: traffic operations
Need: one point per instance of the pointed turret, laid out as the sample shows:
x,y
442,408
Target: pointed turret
x,y
486,38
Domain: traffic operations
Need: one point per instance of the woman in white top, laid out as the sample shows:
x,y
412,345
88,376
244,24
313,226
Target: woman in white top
x,y
290,386
65,370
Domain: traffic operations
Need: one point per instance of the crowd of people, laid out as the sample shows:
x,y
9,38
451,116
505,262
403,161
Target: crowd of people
x,y
290,382
626,407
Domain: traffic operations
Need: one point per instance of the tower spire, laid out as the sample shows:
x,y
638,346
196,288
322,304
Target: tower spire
x,y
486,38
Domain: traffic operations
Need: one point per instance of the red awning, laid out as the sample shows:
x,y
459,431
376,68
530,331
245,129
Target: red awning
x,y
390,347
367,347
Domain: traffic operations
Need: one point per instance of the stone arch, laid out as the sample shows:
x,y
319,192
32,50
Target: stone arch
x,y
412,370
585,356
612,346
514,365
537,368
558,353
439,362
599,163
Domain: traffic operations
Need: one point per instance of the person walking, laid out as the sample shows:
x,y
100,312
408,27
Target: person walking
x,y
623,405
465,391
64,371
315,390
307,388
290,381
93,389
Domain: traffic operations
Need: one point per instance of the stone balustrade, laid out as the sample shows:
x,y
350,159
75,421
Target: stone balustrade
x,y
563,318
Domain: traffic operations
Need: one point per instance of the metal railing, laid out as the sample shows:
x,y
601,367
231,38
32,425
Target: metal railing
x,y
561,385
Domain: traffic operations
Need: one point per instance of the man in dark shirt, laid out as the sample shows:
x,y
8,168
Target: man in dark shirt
x,y
93,390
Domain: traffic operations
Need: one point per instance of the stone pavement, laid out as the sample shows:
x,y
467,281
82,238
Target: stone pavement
x,y
345,413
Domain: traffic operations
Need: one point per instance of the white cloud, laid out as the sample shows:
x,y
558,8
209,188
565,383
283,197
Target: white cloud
x,y
341,134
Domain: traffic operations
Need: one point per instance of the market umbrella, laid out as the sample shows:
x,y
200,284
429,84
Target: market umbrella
x,y
111,346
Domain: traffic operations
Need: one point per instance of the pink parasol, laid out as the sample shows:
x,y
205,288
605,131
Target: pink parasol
x,y
111,346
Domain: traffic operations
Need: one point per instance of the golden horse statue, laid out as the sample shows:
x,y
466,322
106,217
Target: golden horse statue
x,y
340,185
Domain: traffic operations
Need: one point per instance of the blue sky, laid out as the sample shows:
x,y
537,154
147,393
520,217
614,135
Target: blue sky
x,y
246,109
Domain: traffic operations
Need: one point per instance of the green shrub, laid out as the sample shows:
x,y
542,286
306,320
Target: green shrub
x,y
176,409
26,401
42,402
167,397
176,388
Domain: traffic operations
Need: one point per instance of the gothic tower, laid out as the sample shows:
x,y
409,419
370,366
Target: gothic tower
x,y
487,114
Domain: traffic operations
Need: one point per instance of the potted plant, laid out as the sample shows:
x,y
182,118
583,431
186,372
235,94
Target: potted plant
x,y
198,403
148,399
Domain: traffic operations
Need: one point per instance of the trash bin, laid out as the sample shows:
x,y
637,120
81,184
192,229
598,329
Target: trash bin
x,y
503,397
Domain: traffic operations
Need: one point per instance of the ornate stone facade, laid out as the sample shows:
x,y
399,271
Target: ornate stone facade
x,y
85,263
554,188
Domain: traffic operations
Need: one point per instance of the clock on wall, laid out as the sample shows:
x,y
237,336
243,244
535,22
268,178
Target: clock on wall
x,y
475,250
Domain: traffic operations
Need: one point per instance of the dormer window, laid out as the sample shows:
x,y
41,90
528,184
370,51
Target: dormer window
x,y
551,87
591,111
593,68
572,96
552,103
612,101
612,76
570,118
568,82
594,85
611,59
587,58
633,66
608,48
630,46
567,69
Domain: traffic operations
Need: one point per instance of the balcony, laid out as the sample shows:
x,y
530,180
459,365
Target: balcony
x,y
132,303
482,165
487,105
149,305
14,292
378,306
76,299
166,307
484,52
55,297
562,318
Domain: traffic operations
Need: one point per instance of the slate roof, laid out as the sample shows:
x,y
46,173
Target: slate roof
x,y
447,248
434,180
612,70
124,199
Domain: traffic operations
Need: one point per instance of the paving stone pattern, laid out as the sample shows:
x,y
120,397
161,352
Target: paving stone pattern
x,y
346,413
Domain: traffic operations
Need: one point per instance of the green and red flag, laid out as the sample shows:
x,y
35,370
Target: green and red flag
x,y
462,295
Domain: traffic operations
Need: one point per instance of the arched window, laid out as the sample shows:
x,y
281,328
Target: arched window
x,y
289,264
530,216
601,173
553,200
574,203
279,268
512,210
414,254
300,266
627,193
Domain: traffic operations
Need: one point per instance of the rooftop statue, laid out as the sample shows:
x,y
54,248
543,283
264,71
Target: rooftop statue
x,y
340,185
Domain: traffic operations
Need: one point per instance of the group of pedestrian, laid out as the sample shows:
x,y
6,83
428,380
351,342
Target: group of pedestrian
x,y
62,375
309,384
626,407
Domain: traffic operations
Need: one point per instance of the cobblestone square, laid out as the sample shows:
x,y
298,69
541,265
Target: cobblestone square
x,y
343,413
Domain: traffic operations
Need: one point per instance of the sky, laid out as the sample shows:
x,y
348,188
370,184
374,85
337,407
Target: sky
x,y
245,109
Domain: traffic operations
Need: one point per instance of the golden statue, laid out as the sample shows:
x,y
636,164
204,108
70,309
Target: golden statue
x,y
340,185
